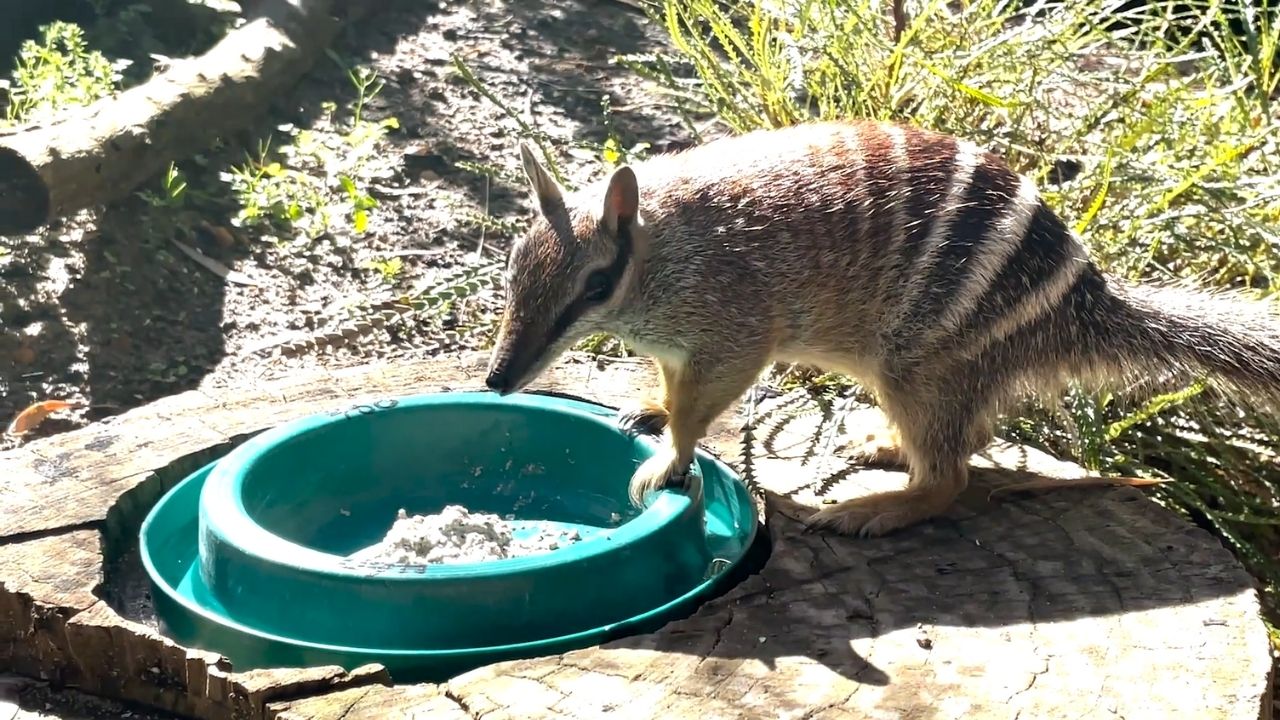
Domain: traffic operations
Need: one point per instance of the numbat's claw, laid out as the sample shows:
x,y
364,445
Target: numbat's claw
x,y
880,514
662,471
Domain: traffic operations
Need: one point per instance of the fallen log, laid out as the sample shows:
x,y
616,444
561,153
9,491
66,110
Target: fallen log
x,y
102,152
1080,602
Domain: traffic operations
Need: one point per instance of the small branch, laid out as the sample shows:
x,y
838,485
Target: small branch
x,y
103,152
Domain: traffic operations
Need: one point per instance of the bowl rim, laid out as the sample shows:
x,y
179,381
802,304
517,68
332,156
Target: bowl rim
x,y
599,633
221,509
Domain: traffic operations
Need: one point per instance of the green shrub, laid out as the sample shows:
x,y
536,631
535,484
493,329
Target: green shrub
x,y
57,72
314,183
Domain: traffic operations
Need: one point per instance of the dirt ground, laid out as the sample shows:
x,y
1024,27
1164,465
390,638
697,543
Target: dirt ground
x,y
104,311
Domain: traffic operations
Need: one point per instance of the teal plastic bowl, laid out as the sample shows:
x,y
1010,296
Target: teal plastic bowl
x,y
248,556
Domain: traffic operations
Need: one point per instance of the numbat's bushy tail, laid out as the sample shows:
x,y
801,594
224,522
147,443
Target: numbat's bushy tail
x,y
914,261
1152,329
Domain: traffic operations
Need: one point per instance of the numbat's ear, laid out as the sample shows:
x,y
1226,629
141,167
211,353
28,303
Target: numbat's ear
x,y
545,188
621,200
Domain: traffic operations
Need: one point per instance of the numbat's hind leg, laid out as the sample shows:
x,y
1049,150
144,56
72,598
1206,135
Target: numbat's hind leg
x,y
877,444
938,439
930,493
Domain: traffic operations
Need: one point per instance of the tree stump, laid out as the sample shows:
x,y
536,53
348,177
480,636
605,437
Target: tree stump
x,y
1082,602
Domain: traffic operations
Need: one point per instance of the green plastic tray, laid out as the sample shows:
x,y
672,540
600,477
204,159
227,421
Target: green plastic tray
x,y
247,555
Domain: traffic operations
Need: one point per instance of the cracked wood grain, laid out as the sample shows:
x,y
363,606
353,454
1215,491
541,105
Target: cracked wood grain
x,y
1086,602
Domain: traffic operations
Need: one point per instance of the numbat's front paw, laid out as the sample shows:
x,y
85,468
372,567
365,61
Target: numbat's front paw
x,y
660,471
875,515
642,418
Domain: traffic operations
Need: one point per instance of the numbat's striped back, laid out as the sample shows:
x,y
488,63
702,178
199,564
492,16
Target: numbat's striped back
x,y
906,247
932,236
981,254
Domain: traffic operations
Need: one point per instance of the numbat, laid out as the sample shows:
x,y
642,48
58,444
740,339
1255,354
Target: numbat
x,y
913,261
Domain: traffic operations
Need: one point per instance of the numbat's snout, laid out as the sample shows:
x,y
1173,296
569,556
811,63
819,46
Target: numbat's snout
x,y
914,261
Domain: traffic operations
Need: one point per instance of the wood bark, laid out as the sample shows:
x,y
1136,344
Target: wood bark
x,y
102,152
1084,602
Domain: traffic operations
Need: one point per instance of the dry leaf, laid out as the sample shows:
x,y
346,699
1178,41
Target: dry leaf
x,y
221,235
1055,483
24,355
30,419
214,266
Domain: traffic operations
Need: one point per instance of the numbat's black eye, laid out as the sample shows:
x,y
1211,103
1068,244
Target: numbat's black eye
x,y
599,287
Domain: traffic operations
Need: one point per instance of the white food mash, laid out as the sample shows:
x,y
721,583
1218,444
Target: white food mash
x,y
457,535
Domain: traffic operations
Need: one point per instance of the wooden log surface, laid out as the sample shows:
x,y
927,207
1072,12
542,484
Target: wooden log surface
x,y
1085,602
104,151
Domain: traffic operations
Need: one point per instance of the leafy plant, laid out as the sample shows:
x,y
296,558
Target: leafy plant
x,y
314,182
361,203
274,196
612,152
58,71
173,190
368,85
388,269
